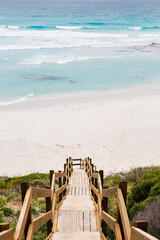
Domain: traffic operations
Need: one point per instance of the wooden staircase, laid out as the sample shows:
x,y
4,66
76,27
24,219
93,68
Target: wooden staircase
x,y
81,212
77,215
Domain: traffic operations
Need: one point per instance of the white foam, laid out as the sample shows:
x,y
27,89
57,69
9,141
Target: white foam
x,y
17,100
13,27
69,27
65,38
135,28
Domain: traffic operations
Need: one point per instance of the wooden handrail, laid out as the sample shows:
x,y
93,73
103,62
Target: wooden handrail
x,y
60,174
61,189
23,215
7,235
110,192
124,215
109,220
138,234
40,192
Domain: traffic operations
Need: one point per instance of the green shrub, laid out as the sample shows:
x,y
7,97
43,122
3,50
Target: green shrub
x,y
7,211
1,216
144,192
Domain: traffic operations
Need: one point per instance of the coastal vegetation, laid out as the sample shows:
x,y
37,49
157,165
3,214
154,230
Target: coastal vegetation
x,y
143,197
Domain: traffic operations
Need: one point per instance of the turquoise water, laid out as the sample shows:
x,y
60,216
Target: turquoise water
x,y
66,46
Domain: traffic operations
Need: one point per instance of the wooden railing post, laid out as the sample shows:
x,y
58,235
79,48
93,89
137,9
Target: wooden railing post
x,y
101,175
123,187
96,186
60,185
105,209
4,227
49,208
64,179
24,187
143,225
51,176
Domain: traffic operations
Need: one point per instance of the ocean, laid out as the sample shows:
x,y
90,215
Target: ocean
x,y
59,46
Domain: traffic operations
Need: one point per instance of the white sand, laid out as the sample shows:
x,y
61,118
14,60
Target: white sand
x,y
117,130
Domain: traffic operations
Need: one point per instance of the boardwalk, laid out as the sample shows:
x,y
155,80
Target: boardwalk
x,y
77,215
76,208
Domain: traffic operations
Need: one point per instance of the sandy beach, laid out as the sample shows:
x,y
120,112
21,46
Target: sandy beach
x,y
118,130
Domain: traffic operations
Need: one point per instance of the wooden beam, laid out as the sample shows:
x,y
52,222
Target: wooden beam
x,y
123,187
94,175
109,220
110,192
105,209
138,234
30,232
60,174
40,192
143,225
23,215
94,190
124,215
51,176
4,227
7,235
49,208
118,234
61,189
41,220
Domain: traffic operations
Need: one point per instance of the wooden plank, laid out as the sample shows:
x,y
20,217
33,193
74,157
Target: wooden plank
x,y
23,215
4,226
124,215
94,175
118,234
60,174
41,220
110,192
109,220
30,232
100,184
95,190
61,189
143,225
40,192
7,235
138,234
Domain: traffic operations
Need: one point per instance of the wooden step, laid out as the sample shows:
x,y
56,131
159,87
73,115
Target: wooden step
x,y
76,236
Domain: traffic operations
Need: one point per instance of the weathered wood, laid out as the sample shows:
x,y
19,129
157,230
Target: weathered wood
x,y
118,234
7,235
60,174
61,189
51,172
123,187
110,192
30,232
60,185
49,208
4,226
25,212
94,175
124,215
40,192
94,190
105,209
109,220
138,234
143,225
41,220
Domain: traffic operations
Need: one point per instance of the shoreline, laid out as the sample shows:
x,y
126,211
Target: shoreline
x,y
119,130
45,100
